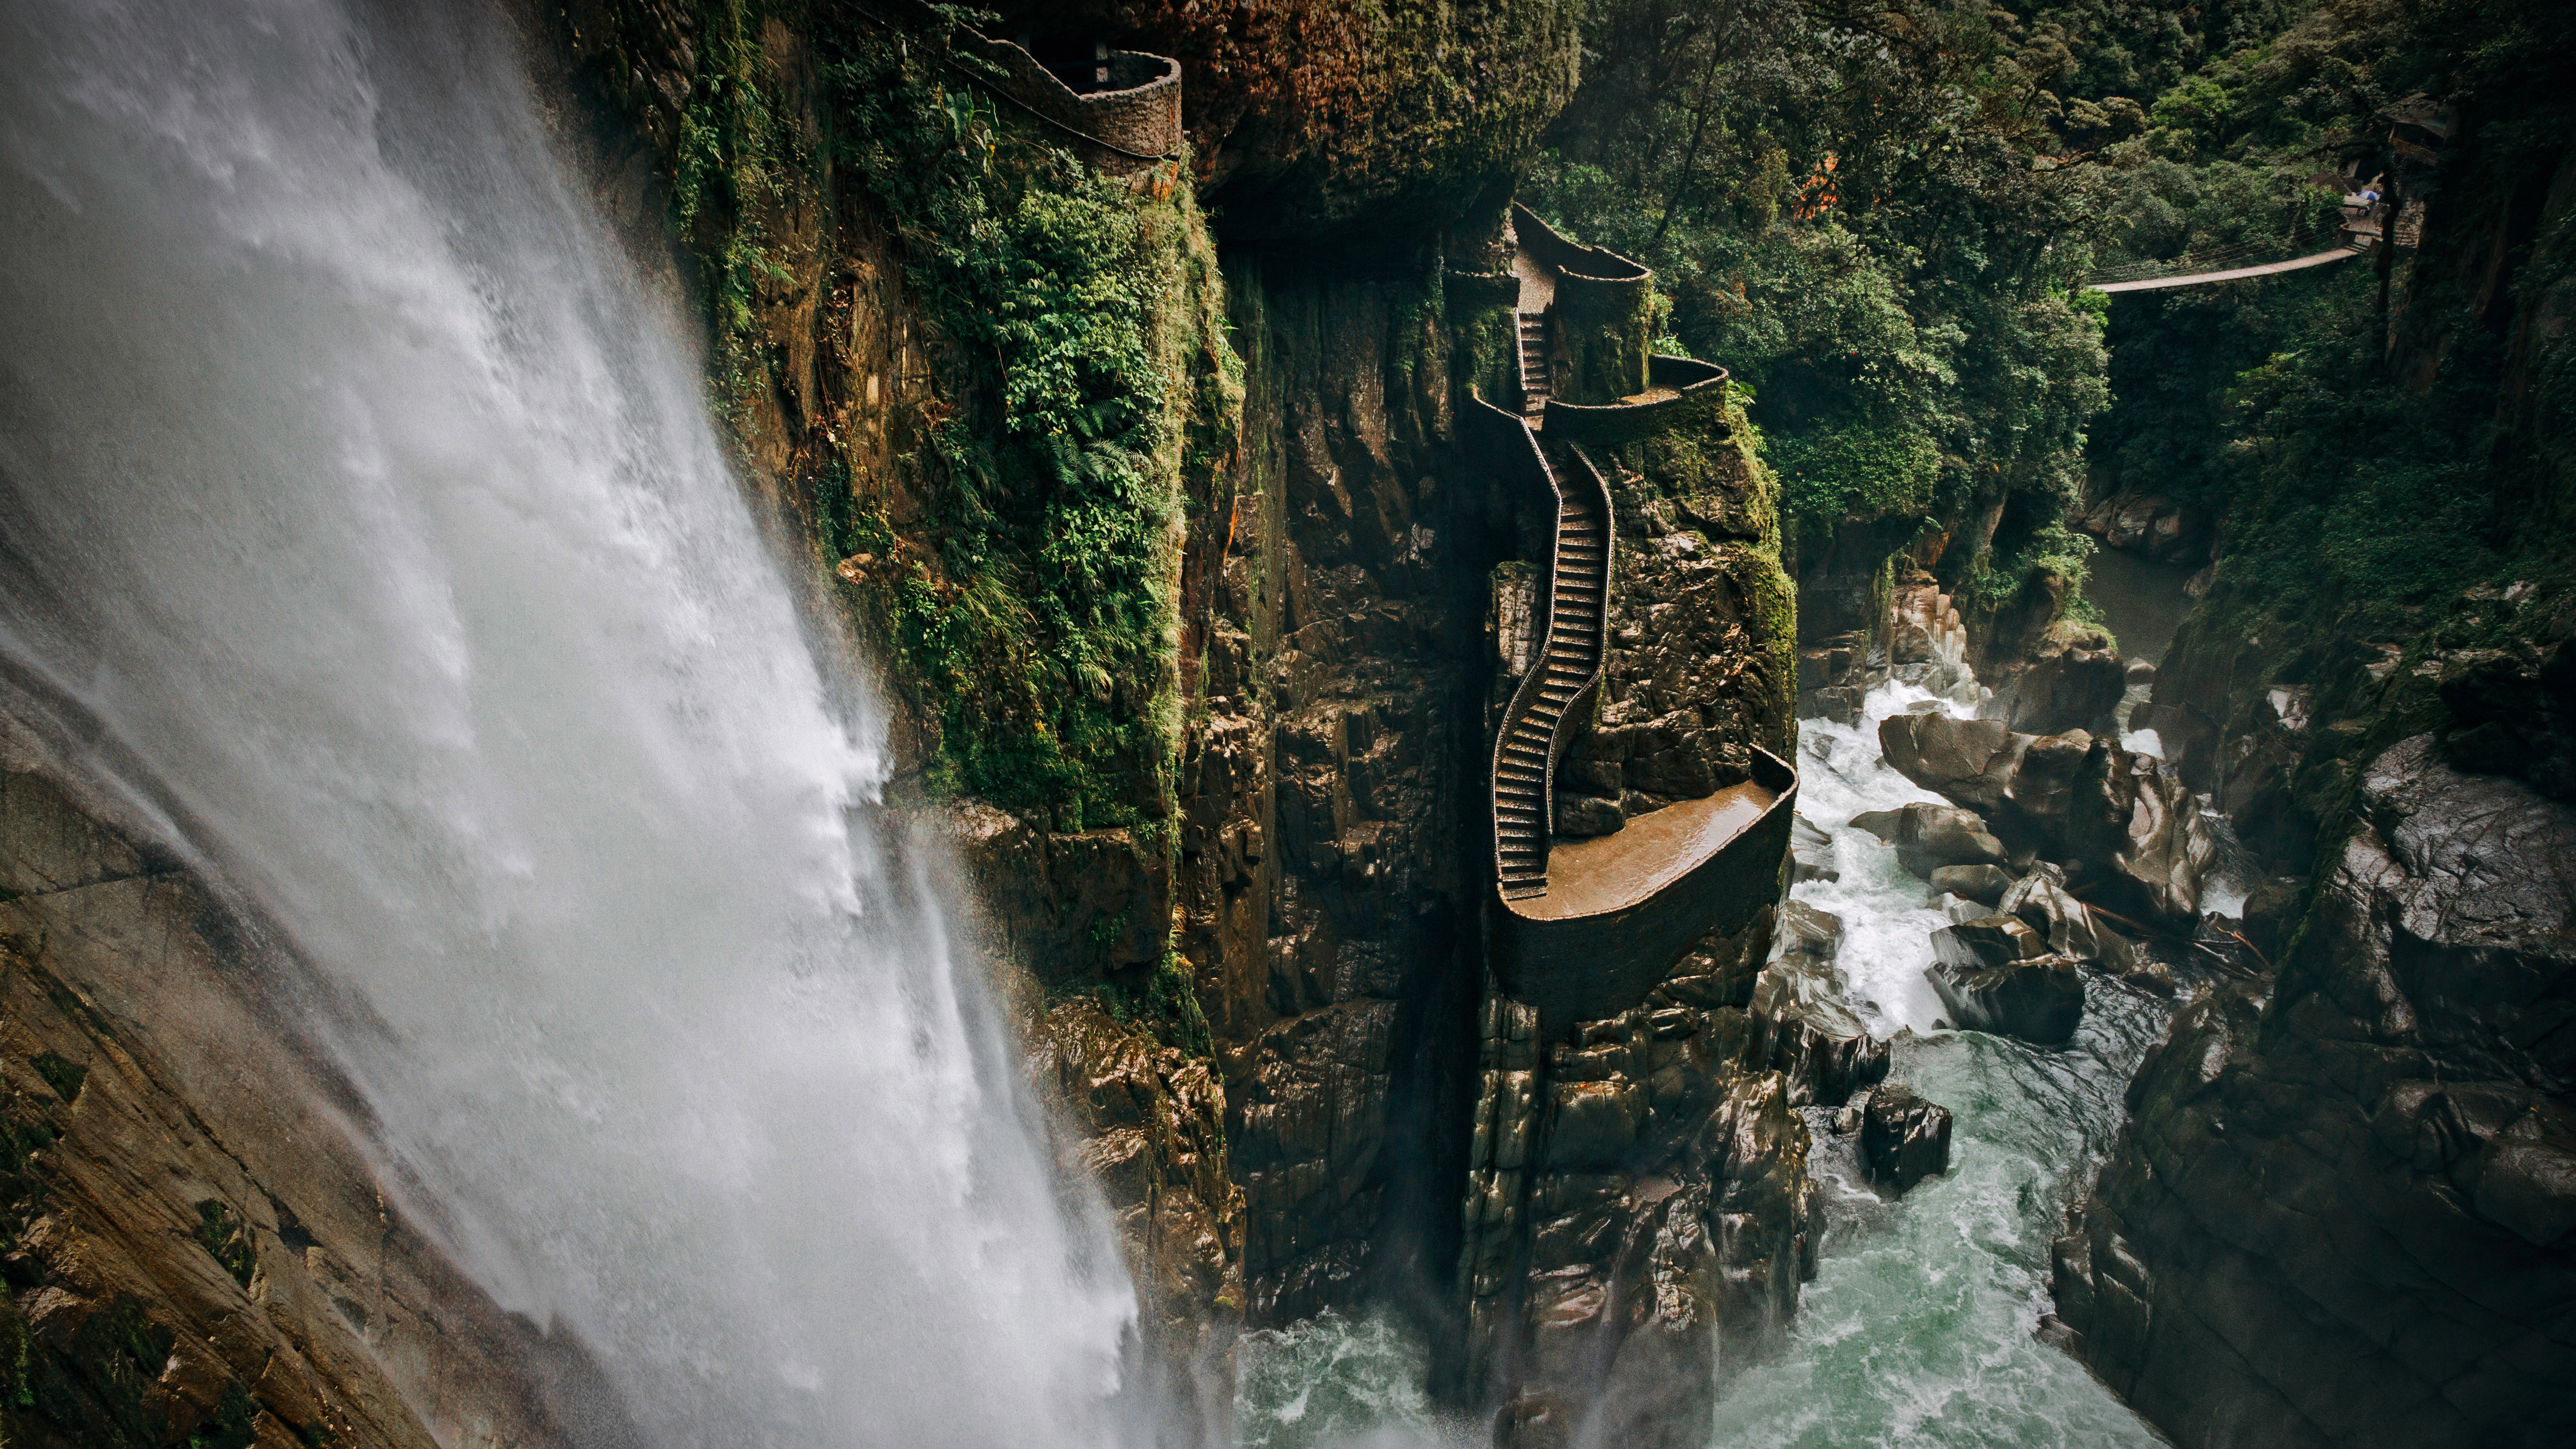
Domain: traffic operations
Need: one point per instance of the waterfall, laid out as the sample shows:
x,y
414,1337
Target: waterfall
x,y
361,491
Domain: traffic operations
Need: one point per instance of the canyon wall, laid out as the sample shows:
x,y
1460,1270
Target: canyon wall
x,y
2342,1212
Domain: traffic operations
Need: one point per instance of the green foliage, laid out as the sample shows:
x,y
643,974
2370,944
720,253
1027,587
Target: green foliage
x,y
1875,218
1080,313
223,1234
740,165
2359,504
1168,1005
1855,470
63,1076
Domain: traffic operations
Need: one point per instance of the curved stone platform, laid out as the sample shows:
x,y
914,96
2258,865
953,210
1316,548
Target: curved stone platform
x,y
1678,390
1128,111
1621,908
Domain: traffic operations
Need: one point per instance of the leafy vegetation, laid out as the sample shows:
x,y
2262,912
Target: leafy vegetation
x,y
1081,312
1083,373
1875,216
2372,470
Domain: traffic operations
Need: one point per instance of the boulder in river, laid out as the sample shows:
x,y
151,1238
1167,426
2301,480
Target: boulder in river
x,y
2077,931
1982,883
1811,852
2075,689
1903,1138
2119,820
1929,837
2039,999
1991,940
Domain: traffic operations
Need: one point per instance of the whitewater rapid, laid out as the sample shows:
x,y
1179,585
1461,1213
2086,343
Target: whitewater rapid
x,y
361,494
1918,1330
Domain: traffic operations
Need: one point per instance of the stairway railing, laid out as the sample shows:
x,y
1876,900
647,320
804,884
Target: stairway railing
x,y
1565,673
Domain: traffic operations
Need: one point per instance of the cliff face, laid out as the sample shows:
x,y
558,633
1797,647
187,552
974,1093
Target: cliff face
x,y
197,1250
2343,1212
2341,1215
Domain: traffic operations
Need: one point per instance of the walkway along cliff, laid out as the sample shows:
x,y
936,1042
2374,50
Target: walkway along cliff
x,y
1632,904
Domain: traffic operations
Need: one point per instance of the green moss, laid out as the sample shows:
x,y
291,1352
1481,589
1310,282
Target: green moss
x,y
63,1076
222,1233
1077,319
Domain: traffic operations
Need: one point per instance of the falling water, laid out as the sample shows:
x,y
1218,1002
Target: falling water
x,y
357,487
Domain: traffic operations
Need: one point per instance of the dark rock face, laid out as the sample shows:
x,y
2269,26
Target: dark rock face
x,y
1903,1138
1993,940
1638,1199
2146,524
2341,1213
2074,689
1803,1026
1984,884
2038,998
2128,830
1578,816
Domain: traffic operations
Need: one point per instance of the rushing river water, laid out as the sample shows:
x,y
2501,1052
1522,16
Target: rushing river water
x,y
354,485
1918,1330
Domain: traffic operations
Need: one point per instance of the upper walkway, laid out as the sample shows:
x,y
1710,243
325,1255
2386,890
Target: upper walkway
x,y
2197,279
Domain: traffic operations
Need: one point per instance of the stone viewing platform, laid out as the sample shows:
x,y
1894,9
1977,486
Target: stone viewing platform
x,y
1621,908
1118,109
1588,926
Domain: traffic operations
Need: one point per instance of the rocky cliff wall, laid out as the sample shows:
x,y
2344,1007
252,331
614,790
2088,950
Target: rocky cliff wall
x,y
2345,1208
196,1245
2340,1215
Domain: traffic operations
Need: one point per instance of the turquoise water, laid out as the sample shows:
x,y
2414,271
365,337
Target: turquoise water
x,y
1341,1383
1918,1330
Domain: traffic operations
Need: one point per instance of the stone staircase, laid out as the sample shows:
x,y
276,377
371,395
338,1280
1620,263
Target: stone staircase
x,y
1534,387
1566,670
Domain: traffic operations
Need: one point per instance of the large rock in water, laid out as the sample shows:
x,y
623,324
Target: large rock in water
x,y
1811,852
2119,820
2077,689
1903,1139
2342,1214
1803,1026
1997,975
1929,837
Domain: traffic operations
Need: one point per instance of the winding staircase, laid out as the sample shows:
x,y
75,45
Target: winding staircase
x,y
1534,729
1534,385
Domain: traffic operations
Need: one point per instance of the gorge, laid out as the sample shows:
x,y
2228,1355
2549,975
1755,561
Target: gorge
x,y
1500,722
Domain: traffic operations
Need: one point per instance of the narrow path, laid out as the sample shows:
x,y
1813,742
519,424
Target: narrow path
x,y
2152,284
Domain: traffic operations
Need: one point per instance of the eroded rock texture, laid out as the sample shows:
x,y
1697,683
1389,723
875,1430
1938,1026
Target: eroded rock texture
x,y
195,1251
2342,1213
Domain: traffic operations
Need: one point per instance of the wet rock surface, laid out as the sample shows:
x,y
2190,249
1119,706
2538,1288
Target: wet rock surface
x,y
2341,1213
2039,999
2073,688
1804,1026
1903,1138
1639,1202
2129,831
196,1249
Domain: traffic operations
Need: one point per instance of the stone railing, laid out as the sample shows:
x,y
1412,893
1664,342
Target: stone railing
x,y
1135,119
1570,614
1679,390
1594,964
